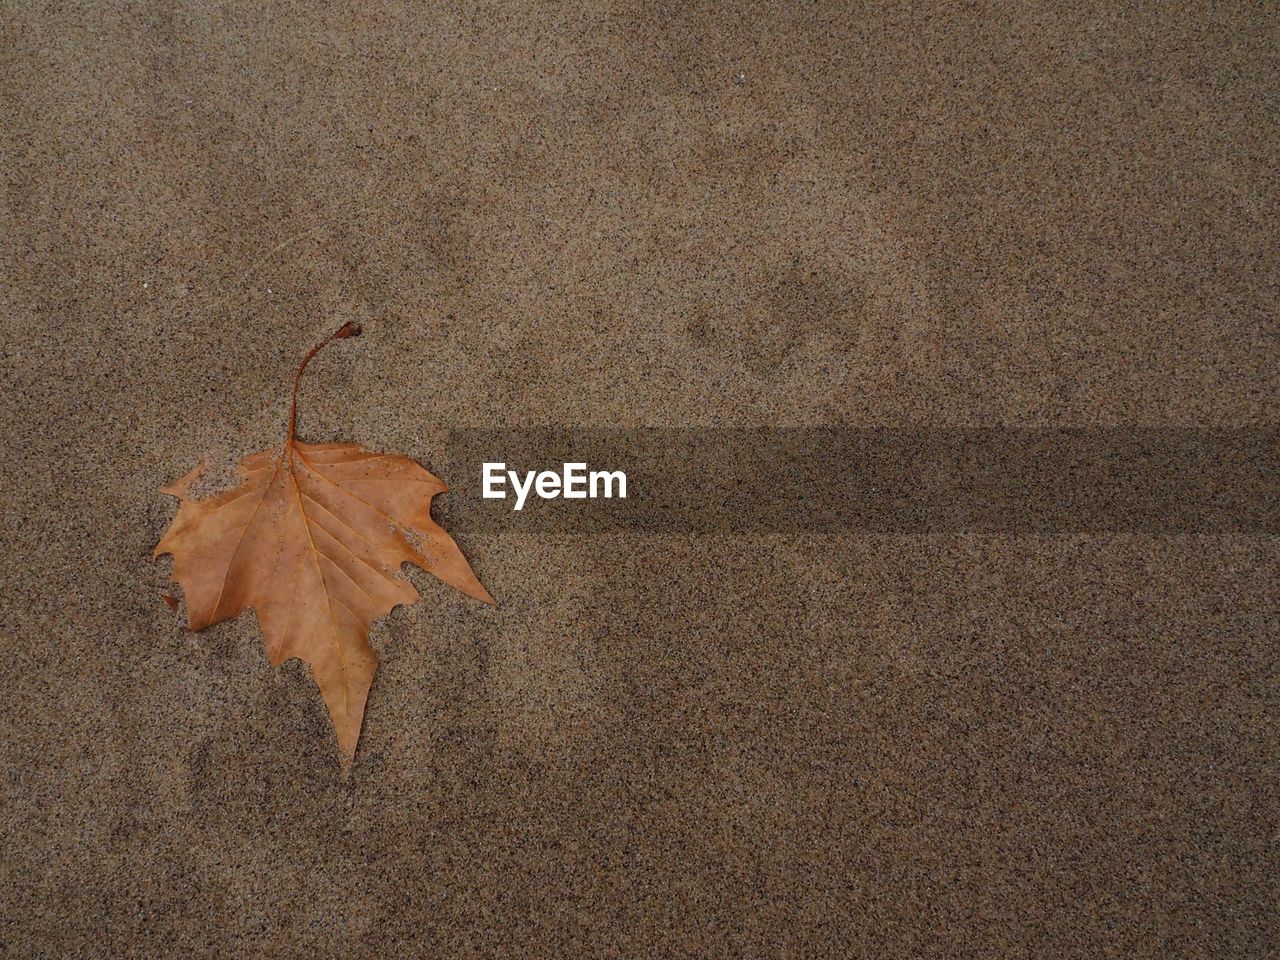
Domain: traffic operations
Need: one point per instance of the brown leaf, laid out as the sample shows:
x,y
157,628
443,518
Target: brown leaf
x,y
313,541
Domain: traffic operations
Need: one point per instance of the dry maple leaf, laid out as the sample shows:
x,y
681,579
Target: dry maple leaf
x,y
313,540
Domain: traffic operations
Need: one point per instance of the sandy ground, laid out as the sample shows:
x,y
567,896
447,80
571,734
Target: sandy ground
x,y
684,215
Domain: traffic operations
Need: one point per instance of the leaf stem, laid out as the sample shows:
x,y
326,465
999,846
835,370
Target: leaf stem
x,y
346,330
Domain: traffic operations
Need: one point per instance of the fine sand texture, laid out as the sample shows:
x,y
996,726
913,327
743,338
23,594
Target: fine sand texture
x,y
664,741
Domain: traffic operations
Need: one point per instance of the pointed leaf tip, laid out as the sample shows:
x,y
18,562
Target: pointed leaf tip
x,y
180,487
